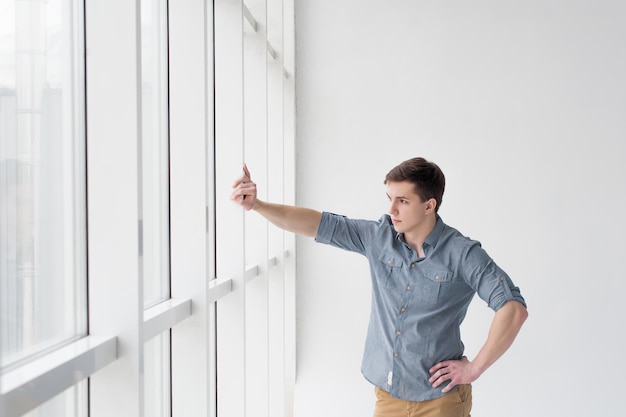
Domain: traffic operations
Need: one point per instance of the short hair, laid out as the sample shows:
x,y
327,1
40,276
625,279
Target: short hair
x,y
426,176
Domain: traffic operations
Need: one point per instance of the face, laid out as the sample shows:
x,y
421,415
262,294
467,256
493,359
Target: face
x,y
409,213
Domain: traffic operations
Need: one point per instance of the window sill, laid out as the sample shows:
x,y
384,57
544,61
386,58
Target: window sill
x,y
32,384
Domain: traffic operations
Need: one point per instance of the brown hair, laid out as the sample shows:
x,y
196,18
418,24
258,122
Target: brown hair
x,y
426,176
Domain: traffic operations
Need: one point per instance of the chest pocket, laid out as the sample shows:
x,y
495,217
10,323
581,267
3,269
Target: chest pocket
x,y
432,285
389,270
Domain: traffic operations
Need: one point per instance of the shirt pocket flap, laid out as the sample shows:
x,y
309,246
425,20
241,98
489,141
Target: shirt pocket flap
x,y
437,275
390,260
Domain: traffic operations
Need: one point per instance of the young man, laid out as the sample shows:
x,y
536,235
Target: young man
x,y
424,275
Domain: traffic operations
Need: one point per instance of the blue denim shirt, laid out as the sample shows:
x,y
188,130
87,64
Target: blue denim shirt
x,y
418,304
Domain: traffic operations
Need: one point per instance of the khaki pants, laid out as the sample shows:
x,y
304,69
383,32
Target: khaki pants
x,y
457,403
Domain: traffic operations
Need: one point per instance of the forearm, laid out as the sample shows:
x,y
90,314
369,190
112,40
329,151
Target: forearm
x,y
298,220
504,328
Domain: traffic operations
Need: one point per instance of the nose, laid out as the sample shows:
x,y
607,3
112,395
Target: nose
x,y
392,208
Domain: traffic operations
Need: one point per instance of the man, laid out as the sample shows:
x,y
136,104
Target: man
x,y
424,275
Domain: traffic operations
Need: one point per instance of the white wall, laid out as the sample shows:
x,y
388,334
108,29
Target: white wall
x,y
522,105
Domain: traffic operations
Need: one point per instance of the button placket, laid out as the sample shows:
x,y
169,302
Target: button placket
x,y
404,304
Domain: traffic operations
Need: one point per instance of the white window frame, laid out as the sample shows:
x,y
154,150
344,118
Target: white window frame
x,y
257,126
206,276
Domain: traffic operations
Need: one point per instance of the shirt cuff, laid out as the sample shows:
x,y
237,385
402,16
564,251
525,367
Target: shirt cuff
x,y
326,228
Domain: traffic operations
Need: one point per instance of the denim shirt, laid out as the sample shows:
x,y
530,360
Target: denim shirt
x,y
418,304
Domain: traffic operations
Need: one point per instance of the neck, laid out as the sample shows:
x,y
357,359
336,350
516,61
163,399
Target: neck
x,y
416,238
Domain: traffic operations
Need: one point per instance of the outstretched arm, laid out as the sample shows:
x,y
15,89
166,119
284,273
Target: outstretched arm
x,y
294,219
504,328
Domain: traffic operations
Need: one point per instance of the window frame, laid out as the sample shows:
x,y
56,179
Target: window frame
x,y
204,274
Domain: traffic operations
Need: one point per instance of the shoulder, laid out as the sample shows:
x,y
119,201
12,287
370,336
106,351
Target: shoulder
x,y
332,223
455,242
384,222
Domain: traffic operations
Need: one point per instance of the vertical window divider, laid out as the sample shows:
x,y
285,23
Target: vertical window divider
x,y
191,206
114,129
230,310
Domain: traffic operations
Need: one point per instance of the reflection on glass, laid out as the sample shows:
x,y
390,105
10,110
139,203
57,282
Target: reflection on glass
x,y
155,156
42,178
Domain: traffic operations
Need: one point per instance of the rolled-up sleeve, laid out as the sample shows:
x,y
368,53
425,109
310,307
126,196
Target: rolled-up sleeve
x,y
346,233
326,228
491,283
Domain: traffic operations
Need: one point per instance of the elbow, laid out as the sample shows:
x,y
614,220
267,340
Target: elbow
x,y
522,317
313,230
520,313
515,312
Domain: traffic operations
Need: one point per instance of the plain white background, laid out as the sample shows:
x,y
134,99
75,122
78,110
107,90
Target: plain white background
x,y
522,105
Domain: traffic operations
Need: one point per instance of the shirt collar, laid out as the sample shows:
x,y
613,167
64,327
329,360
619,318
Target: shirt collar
x,y
433,236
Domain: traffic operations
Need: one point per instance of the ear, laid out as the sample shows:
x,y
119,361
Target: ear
x,y
431,204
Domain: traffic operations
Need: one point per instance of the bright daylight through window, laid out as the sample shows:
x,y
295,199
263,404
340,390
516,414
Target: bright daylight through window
x,y
42,185
155,196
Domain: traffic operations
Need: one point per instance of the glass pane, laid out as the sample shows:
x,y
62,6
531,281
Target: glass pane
x,y
157,376
71,403
155,156
42,177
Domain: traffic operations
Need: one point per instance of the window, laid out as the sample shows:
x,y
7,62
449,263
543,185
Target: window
x,y
154,151
157,376
42,187
111,229
42,178
155,197
72,402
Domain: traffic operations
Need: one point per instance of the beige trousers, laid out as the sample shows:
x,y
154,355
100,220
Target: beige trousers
x,y
457,403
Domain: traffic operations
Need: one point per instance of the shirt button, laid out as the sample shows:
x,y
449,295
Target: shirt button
x,y
437,277
388,261
398,332
395,355
501,278
413,265
403,309
408,288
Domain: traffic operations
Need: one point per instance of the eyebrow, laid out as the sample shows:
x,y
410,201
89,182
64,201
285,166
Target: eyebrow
x,y
400,197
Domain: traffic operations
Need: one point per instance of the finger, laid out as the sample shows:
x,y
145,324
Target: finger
x,y
438,366
439,381
440,377
247,189
246,176
244,187
434,377
441,373
236,195
240,180
449,386
242,191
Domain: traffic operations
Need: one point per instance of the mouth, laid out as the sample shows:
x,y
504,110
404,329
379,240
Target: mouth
x,y
395,221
